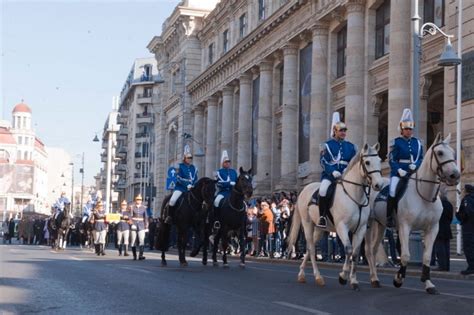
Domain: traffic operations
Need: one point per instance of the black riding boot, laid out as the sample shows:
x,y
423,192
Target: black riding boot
x,y
125,250
391,205
97,249
120,250
140,255
102,249
323,211
134,251
169,218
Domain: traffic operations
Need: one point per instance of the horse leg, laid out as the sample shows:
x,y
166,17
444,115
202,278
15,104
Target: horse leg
x,y
163,259
404,234
317,235
182,247
356,243
430,236
343,234
225,245
205,244
243,245
215,246
373,238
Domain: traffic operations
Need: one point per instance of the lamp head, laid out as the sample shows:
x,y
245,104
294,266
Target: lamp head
x,y
449,57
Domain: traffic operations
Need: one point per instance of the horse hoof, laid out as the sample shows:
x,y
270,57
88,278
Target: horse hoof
x,y
320,282
342,281
242,265
397,284
375,284
194,253
301,279
355,287
215,264
432,291
164,264
204,262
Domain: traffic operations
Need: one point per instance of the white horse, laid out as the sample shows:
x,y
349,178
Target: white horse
x,y
419,209
350,212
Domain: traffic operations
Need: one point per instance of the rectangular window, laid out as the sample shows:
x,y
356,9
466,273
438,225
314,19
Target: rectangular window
x,y
341,51
225,41
26,140
433,11
261,9
211,54
243,25
382,29
20,140
147,92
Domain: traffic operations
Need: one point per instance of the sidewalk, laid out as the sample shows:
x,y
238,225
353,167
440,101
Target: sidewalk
x,y
456,265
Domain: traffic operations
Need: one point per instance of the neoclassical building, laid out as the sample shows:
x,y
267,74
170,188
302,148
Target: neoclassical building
x,y
261,79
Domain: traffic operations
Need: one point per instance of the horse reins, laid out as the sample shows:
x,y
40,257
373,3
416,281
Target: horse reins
x,y
243,204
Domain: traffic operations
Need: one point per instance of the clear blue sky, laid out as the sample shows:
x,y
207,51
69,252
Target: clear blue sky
x,y
67,59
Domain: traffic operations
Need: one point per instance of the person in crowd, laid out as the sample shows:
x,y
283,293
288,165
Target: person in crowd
x,y
139,226
267,227
123,228
336,153
465,215
405,157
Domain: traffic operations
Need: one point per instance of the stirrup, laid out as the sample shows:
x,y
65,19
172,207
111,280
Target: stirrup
x,y
322,222
217,225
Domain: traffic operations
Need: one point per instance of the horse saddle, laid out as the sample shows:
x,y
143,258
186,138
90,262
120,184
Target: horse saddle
x,y
330,195
399,192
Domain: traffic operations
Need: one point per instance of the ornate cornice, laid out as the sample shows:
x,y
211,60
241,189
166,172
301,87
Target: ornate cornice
x,y
320,29
355,6
266,65
290,49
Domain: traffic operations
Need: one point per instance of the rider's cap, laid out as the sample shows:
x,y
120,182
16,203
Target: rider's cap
x,y
337,124
406,121
187,152
225,157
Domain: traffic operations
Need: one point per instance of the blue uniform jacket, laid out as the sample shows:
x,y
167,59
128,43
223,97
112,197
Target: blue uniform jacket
x,y
187,174
404,152
139,217
124,218
224,177
335,156
99,217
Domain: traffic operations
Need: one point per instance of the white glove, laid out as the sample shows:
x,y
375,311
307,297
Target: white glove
x,y
189,186
146,230
401,172
412,167
232,183
336,174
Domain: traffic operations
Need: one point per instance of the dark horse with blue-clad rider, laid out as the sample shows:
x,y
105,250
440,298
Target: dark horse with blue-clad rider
x,y
231,215
190,211
59,228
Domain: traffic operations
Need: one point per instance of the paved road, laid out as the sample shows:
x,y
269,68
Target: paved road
x,y
35,279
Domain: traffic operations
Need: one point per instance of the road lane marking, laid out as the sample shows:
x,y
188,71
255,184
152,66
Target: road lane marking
x,y
366,282
301,308
132,268
76,258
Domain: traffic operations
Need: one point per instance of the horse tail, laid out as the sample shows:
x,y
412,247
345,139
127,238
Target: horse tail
x,y
295,228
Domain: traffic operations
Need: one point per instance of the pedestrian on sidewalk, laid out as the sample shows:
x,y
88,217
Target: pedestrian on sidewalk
x,y
441,246
466,216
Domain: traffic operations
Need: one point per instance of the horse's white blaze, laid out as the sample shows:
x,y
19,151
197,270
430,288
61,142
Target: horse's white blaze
x,y
416,211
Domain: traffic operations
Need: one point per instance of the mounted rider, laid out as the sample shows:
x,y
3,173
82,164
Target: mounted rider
x,y
405,157
60,204
87,210
336,153
226,179
187,175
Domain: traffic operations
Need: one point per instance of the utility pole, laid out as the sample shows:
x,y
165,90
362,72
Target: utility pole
x,y
82,182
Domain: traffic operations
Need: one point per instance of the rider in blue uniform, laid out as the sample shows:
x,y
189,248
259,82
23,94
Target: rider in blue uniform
x,y
226,179
187,175
87,210
406,155
336,154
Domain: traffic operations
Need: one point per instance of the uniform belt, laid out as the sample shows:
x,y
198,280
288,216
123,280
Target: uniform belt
x,y
100,220
123,220
138,219
343,162
404,161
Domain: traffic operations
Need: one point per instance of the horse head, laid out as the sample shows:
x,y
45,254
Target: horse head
x,y
205,189
244,183
370,165
443,161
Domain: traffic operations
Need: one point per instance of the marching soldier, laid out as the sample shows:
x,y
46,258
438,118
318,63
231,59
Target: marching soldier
x,y
100,227
123,229
186,178
336,154
406,155
140,225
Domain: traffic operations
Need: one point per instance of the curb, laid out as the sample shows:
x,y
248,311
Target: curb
x,y
390,271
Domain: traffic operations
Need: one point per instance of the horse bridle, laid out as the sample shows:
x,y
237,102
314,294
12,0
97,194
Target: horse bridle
x,y
243,203
365,187
439,174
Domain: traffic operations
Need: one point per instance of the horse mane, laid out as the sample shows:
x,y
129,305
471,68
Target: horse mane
x,y
356,157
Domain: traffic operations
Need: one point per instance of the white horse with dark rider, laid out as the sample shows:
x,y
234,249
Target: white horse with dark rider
x,y
419,208
350,212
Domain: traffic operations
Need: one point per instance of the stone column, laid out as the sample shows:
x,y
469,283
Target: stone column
x,y
319,105
399,85
425,84
289,147
211,136
244,143
198,135
354,100
227,120
264,125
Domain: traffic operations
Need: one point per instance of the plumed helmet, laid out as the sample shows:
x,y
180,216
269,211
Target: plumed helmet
x,y
224,157
406,121
187,152
337,124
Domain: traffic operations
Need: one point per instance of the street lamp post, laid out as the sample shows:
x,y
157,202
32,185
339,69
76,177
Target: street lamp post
x,y
72,186
82,181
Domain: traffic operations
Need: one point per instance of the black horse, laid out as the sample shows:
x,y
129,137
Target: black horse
x,y
86,233
190,212
232,216
59,228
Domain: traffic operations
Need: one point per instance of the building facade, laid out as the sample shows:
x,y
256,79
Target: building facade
x,y
23,166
